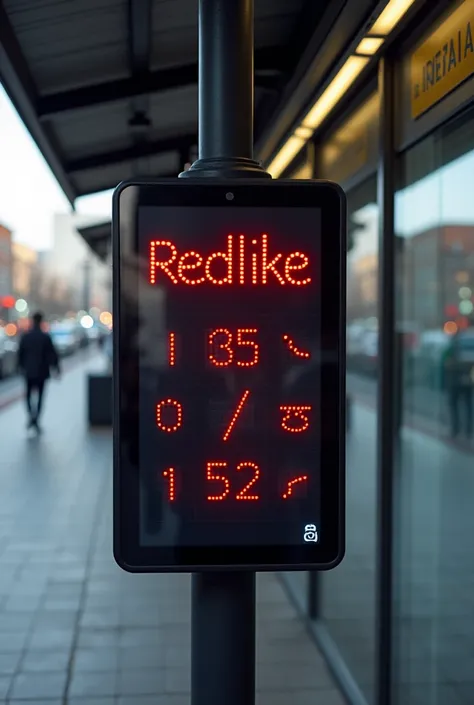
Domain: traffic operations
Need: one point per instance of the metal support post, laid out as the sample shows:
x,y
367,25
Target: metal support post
x,y
223,603
223,639
226,78
87,284
387,426
226,91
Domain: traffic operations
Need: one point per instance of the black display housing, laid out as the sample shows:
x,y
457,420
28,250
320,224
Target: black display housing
x,y
131,199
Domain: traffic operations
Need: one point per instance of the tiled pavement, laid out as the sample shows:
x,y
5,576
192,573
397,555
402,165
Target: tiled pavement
x,y
76,629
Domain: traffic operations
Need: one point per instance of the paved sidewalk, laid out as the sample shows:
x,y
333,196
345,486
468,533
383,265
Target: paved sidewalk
x,y
74,628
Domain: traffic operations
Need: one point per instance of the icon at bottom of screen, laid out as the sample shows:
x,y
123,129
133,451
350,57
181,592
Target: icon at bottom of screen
x,y
310,533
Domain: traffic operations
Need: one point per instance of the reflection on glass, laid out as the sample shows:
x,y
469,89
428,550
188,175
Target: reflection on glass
x,y
305,171
435,520
353,146
348,592
299,585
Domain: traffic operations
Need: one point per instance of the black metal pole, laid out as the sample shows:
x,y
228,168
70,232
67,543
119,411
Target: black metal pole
x,y
226,91
386,429
223,603
226,78
223,639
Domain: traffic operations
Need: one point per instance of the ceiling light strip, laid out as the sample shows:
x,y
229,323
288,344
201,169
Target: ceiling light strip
x,y
344,79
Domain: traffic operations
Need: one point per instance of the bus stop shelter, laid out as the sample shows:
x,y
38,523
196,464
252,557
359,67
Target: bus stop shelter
x,y
108,90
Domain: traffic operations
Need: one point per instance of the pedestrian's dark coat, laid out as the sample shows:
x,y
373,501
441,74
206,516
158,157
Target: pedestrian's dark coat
x,y
37,355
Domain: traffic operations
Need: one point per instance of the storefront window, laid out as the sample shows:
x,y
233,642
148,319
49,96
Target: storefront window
x,y
347,603
348,592
305,171
434,571
344,598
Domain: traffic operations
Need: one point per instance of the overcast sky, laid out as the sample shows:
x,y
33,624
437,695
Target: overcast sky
x,y
29,193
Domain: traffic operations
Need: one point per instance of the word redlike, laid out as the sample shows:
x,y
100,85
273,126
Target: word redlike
x,y
244,261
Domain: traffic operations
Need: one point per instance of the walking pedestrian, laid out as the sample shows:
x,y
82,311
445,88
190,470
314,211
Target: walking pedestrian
x,y
37,356
459,382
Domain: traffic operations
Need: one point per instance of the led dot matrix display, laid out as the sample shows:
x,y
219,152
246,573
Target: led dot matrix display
x,y
232,361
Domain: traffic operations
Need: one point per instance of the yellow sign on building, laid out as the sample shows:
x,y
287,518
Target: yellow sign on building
x,y
444,60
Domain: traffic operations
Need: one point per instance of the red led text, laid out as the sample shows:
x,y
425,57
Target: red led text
x,y
296,351
235,415
218,472
256,474
295,418
296,481
169,475
169,415
171,349
224,482
222,348
242,261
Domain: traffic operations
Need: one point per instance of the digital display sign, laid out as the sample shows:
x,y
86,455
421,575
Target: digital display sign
x,y
229,306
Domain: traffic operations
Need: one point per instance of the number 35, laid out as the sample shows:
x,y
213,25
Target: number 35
x,y
221,350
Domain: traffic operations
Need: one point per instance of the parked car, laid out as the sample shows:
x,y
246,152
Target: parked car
x,y
65,338
8,355
82,335
362,346
97,333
